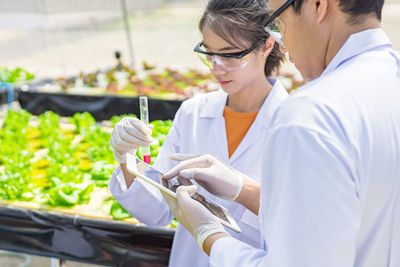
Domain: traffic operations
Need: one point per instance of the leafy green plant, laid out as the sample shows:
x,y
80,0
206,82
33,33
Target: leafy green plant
x,y
15,76
72,164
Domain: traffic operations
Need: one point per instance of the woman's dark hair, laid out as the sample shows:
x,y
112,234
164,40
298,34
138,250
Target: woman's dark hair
x,y
241,20
355,8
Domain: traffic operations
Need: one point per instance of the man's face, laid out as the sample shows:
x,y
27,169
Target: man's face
x,y
302,39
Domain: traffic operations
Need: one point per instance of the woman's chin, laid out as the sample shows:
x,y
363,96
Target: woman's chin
x,y
229,89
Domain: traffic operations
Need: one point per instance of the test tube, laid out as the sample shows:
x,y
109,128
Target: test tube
x,y
144,117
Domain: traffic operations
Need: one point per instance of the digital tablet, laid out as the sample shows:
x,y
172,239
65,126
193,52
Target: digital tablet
x,y
143,171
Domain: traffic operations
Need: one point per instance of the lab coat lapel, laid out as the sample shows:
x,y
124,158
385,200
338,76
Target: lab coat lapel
x,y
251,136
218,128
276,96
213,111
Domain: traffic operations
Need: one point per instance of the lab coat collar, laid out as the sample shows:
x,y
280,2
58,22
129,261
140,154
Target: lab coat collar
x,y
215,105
275,97
357,44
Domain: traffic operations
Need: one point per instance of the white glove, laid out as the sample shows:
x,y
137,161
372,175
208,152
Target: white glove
x,y
215,176
128,135
192,215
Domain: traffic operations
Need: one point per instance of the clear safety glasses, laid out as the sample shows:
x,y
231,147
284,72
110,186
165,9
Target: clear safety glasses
x,y
276,29
226,61
274,25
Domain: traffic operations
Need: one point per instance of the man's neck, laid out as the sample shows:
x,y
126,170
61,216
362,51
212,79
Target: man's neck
x,y
342,31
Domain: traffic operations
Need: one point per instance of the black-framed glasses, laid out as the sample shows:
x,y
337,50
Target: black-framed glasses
x,y
227,61
274,26
238,55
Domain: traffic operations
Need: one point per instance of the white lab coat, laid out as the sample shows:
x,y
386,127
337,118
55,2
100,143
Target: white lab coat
x,y
199,128
330,193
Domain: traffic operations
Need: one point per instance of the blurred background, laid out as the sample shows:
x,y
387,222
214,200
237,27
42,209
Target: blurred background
x,y
56,37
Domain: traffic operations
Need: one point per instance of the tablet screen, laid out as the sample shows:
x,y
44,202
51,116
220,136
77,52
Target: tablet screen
x,y
216,210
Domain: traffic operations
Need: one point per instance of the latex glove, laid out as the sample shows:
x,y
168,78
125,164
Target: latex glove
x,y
192,215
215,176
127,135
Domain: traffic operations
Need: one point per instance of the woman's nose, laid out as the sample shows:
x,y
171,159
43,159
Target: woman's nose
x,y
217,67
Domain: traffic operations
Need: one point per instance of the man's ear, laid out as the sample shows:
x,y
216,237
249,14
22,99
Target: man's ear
x,y
321,9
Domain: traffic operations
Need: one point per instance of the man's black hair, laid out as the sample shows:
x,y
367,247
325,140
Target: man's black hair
x,y
355,8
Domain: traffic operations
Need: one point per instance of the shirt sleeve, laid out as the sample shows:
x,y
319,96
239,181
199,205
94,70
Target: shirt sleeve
x,y
309,205
120,179
239,254
142,200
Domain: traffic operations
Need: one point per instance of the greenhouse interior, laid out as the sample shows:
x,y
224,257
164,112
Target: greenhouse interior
x,y
71,74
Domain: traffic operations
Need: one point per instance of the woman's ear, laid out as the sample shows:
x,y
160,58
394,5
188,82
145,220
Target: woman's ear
x,y
269,44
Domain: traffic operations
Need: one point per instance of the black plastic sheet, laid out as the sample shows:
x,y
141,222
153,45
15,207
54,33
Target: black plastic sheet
x,y
101,107
3,96
72,237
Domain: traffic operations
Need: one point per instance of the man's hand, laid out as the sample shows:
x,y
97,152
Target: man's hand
x,y
194,216
215,176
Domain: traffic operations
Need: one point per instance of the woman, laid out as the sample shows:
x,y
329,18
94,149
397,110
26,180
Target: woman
x,y
229,124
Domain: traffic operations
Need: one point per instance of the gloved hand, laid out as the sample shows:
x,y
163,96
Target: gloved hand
x,y
192,215
215,176
128,135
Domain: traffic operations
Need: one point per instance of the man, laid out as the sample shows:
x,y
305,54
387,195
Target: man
x,y
332,158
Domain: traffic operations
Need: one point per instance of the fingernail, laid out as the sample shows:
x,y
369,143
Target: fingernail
x,y
179,157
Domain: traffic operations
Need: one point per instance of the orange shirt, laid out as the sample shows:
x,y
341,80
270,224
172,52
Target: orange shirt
x,y
237,124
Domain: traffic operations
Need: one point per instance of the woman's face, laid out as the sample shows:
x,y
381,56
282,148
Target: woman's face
x,y
234,81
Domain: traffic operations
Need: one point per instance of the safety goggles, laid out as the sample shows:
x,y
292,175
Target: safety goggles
x,y
274,25
226,61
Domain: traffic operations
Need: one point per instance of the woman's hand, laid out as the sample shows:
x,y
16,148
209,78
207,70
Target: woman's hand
x,y
128,135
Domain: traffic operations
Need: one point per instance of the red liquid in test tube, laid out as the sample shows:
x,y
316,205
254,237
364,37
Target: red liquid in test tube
x,y
144,117
147,159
